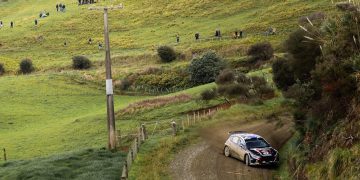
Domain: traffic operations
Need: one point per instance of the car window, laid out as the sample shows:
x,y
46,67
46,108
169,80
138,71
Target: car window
x,y
256,143
235,139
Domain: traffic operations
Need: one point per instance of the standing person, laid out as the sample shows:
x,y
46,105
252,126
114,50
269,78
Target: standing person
x,y
1,24
236,35
90,41
197,36
177,38
63,7
79,2
100,46
11,24
57,7
241,34
60,7
36,22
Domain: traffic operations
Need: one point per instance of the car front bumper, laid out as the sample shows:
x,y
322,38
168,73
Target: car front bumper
x,y
274,161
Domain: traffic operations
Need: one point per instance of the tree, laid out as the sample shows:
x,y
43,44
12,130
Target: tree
x,y
206,69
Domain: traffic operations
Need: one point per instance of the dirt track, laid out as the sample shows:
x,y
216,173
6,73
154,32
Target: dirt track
x,y
205,160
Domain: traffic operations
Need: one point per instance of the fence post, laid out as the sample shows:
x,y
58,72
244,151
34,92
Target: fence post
x,y
209,112
132,154
137,144
143,132
188,119
173,125
5,154
118,137
194,117
199,115
183,125
125,173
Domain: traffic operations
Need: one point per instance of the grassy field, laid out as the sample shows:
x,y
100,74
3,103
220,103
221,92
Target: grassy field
x,y
85,164
140,27
46,114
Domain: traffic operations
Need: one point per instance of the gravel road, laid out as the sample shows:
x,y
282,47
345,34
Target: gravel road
x,y
205,160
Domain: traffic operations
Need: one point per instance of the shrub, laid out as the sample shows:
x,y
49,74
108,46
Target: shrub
x,y
125,84
206,69
208,94
283,75
243,79
26,66
81,62
234,90
261,51
166,53
2,69
304,53
225,77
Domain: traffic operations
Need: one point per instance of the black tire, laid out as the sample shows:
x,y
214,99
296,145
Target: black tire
x,y
227,151
247,160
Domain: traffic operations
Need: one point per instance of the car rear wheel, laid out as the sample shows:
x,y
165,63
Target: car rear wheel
x,y
227,151
247,160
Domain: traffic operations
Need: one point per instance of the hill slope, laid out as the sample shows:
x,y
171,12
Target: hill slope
x,y
140,27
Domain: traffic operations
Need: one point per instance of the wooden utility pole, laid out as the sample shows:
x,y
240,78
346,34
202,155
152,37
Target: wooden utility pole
x,y
109,85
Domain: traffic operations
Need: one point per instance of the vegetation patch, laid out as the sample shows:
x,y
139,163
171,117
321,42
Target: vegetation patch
x,y
84,164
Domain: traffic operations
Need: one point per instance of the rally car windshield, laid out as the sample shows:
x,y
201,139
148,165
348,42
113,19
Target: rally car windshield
x,y
256,143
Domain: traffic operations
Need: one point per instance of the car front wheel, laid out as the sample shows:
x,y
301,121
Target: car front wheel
x,y
247,160
227,151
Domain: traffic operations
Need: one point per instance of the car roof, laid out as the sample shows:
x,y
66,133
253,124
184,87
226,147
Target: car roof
x,y
245,135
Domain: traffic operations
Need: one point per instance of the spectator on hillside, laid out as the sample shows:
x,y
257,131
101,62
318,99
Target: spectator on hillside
x,y
79,2
177,38
11,24
1,24
197,36
57,7
241,34
36,22
100,46
218,33
236,35
60,6
90,41
63,8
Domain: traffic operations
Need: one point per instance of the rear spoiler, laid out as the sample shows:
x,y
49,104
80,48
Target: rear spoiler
x,y
236,132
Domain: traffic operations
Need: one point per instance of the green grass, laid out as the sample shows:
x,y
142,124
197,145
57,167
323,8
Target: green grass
x,y
140,27
47,114
84,164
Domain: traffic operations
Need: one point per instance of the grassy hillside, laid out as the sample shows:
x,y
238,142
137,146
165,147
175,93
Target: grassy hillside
x,y
46,114
58,110
140,27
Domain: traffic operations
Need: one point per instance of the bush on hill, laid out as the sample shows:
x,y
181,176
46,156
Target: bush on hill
x,y
283,75
208,94
226,76
261,52
2,69
26,66
166,54
81,62
206,68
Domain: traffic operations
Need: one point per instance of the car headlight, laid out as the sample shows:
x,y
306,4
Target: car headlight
x,y
254,156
